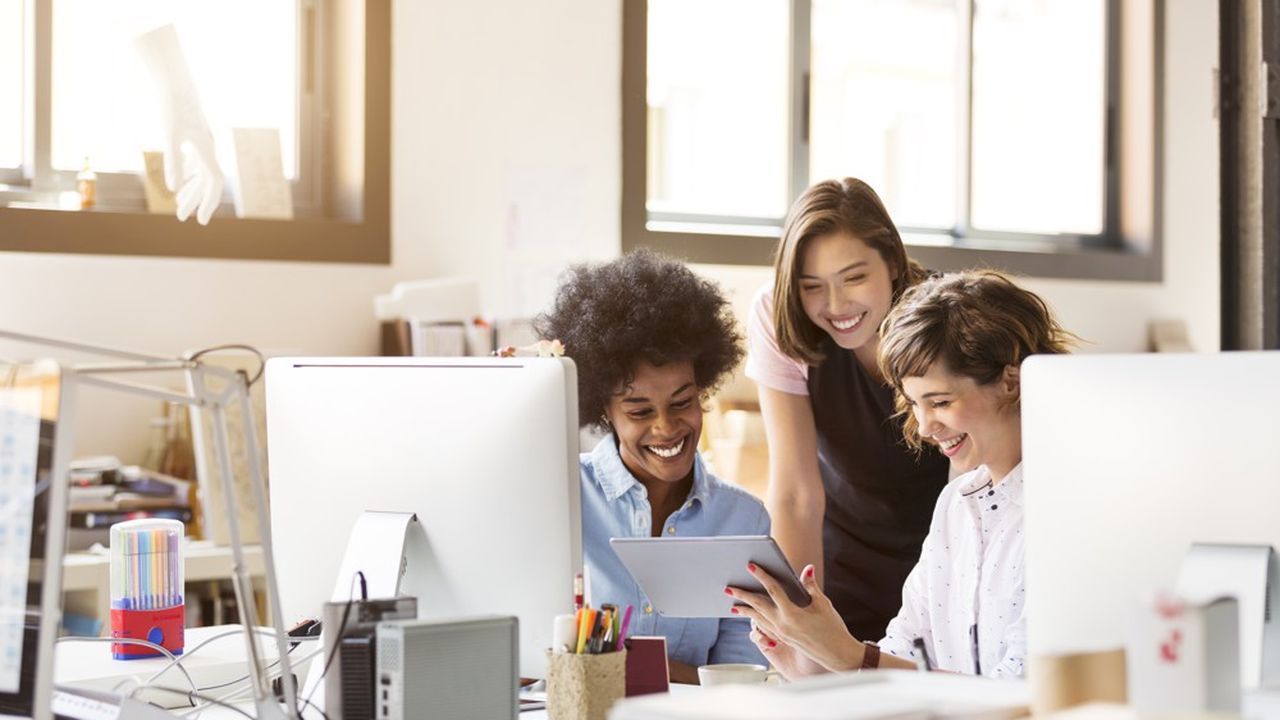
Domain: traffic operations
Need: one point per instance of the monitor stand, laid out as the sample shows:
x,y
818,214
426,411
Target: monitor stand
x,y
1249,574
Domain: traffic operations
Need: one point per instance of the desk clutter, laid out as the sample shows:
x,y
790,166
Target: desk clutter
x,y
587,663
104,492
146,587
444,318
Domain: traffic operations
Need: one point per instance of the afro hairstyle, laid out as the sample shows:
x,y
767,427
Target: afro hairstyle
x,y
642,307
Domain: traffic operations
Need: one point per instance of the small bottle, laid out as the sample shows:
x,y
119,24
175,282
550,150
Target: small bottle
x,y
87,186
159,438
179,459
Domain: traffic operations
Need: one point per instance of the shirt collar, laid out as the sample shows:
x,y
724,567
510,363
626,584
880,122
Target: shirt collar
x,y
616,480
1010,488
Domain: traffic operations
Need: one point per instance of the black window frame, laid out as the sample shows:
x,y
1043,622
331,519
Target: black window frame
x,y
1129,247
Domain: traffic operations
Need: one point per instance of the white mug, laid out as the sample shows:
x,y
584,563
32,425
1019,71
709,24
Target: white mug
x,y
733,674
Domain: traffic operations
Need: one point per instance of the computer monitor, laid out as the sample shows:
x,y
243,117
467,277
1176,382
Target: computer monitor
x,y
33,514
1128,460
483,450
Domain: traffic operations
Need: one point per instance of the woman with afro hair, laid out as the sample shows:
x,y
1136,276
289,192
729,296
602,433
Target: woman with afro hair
x,y
652,341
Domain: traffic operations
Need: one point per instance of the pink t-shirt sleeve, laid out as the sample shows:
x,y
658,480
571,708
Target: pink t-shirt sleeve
x,y
766,364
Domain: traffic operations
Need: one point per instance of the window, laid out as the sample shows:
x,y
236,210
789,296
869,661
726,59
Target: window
x,y
992,129
11,50
243,57
75,92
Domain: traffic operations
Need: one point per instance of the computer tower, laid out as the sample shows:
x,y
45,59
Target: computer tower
x,y
463,669
349,678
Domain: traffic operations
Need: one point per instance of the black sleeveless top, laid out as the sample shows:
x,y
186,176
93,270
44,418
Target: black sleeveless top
x,y
880,493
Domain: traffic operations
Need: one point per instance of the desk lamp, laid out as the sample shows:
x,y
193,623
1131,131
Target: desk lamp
x,y
201,378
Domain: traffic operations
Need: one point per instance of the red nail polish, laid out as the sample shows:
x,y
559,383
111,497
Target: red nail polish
x,y
751,567
808,572
727,591
733,610
772,644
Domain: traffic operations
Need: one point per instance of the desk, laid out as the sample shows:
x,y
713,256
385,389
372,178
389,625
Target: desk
x,y
86,577
89,665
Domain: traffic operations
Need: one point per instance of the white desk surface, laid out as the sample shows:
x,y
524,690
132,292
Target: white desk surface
x,y
90,665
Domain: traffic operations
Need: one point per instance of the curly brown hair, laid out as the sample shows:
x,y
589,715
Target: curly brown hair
x,y
642,307
976,323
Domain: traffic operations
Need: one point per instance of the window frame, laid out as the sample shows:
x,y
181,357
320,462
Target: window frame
x,y
1129,248
344,129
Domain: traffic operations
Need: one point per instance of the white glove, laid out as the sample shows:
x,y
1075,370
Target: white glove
x,y
201,178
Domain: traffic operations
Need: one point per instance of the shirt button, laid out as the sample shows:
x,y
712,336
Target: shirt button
x,y
648,609
671,530
993,507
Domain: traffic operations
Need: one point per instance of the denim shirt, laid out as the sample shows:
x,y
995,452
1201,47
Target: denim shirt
x,y
615,504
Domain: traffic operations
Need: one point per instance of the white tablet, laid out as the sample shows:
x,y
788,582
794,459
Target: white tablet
x,y
686,577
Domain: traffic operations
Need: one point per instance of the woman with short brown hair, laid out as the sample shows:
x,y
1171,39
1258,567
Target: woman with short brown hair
x,y
952,348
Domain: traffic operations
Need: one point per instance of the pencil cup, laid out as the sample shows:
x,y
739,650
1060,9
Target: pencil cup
x,y
584,687
146,587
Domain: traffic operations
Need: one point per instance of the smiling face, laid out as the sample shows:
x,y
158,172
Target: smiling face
x,y
972,424
846,288
658,420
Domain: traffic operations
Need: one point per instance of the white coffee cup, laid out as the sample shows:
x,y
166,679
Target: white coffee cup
x,y
733,674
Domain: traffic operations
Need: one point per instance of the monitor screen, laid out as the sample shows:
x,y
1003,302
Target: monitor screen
x,y
483,450
1129,460
29,589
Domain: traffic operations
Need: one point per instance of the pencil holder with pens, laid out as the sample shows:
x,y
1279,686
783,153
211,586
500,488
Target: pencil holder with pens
x,y
146,587
584,687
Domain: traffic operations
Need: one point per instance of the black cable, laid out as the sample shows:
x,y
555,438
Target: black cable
x,y
337,637
364,586
317,708
262,361
192,696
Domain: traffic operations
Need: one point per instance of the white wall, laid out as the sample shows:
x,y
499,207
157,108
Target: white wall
x,y
506,162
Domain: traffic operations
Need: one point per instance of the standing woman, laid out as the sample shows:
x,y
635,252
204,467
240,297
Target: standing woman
x,y
846,494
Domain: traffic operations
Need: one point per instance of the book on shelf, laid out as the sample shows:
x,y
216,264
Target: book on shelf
x,y
86,527
91,519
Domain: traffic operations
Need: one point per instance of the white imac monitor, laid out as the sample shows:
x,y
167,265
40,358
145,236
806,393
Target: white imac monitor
x,y
33,513
1128,460
483,450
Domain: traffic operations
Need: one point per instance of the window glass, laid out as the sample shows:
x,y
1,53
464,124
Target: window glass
x,y
883,102
1039,126
242,55
718,99
11,88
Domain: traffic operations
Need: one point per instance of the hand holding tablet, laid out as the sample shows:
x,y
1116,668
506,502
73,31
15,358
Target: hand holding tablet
x,y
686,577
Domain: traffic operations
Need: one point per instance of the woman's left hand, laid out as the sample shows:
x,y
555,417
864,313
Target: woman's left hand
x,y
816,630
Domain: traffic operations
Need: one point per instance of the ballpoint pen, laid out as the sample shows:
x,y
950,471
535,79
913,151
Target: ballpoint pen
x,y
973,636
622,631
923,663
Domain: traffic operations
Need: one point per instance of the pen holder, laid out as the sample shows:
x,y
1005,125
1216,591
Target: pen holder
x,y
146,587
584,687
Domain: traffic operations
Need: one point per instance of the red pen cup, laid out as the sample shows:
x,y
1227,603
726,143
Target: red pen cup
x,y
147,587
